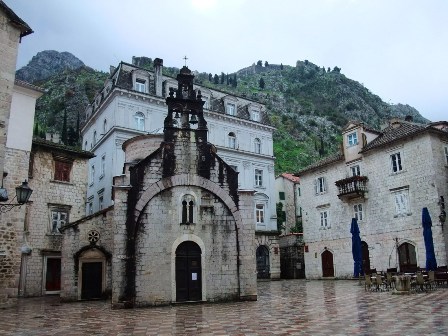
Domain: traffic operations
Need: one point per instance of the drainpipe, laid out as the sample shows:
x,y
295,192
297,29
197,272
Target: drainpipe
x,y
238,260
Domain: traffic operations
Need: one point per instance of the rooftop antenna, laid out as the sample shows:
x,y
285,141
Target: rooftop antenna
x,y
185,59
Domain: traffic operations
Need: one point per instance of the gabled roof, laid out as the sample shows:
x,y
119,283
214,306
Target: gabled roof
x,y
290,177
322,163
15,20
399,130
50,145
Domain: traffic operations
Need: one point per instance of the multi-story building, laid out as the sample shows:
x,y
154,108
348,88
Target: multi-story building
x,y
12,29
132,103
58,177
288,191
384,180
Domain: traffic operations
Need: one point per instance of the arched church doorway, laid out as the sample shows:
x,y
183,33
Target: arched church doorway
x,y
188,272
92,267
407,257
263,269
327,264
365,257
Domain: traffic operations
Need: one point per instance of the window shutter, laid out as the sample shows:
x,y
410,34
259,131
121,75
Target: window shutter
x,y
324,184
315,187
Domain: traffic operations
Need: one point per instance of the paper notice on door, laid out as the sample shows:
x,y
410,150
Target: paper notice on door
x,y
194,276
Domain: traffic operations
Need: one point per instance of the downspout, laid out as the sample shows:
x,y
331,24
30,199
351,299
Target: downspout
x,y
238,260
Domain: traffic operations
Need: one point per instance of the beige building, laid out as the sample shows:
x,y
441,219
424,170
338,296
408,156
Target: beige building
x,y
288,190
383,179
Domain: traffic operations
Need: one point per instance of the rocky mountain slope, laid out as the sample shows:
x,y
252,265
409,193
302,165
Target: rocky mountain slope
x,y
308,104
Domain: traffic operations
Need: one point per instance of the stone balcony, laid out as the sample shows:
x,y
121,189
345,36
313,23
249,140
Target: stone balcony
x,y
352,187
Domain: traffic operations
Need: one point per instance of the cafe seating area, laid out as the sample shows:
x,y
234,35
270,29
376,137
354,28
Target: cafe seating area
x,y
406,282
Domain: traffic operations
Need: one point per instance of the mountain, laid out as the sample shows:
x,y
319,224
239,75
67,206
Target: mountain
x,y
308,104
46,64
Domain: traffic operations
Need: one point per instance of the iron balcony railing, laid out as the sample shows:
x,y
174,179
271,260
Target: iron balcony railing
x,y
354,186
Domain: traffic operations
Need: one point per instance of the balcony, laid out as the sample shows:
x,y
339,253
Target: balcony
x,y
352,187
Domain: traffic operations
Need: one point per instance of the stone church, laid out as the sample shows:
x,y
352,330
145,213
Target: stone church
x,y
179,229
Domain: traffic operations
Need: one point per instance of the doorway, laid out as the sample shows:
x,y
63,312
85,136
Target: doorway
x,y
92,280
52,275
188,272
407,258
327,264
263,269
365,257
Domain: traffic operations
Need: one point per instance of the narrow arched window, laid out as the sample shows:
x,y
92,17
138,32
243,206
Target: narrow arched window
x,y
188,204
190,212
232,140
184,211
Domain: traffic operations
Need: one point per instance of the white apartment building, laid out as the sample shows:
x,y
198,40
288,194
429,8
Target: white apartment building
x,y
132,103
383,179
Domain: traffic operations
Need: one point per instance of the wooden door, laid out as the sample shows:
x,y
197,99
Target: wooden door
x,y
365,257
263,269
327,264
188,272
92,280
53,275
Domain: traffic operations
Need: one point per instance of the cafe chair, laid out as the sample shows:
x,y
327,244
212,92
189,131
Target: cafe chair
x,y
431,281
367,282
390,281
418,282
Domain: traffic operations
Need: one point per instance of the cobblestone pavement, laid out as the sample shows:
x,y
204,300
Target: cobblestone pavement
x,y
288,307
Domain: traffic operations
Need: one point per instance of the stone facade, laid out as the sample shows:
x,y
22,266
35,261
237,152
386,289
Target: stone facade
x,y
132,103
179,230
383,179
288,191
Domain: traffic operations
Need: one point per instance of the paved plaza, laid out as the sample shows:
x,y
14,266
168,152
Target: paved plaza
x,y
288,307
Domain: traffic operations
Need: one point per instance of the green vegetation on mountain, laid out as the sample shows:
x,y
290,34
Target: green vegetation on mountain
x,y
308,104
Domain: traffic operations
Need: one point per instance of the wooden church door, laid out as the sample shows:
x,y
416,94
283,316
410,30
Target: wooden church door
x,y
327,264
188,272
92,279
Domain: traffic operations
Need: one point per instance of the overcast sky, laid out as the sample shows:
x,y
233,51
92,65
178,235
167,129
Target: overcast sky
x,y
396,48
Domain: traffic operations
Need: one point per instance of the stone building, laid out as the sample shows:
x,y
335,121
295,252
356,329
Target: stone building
x,y
383,179
180,229
132,103
57,175
288,190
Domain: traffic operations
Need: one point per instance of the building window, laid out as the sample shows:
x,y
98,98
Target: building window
x,y
324,221
58,219
356,171
103,165
101,202
259,213
105,126
187,209
352,139
85,145
255,115
281,195
90,207
230,109
258,177
446,154
396,162
320,185
62,170
257,146
139,119
140,85
94,138
231,139
357,209
206,101
92,175
401,199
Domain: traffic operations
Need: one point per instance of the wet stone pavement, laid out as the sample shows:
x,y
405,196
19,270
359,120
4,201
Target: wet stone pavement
x,y
288,307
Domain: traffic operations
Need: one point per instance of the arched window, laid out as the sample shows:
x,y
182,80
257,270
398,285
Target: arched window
x,y
187,210
257,146
104,126
139,119
407,257
231,140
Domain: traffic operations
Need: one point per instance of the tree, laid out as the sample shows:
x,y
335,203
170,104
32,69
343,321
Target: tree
x,y
64,129
223,76
234,82
72,137
266,64
260,63
210,77
261,83
281,216
281,66
336,69
216,79
227,79
322,147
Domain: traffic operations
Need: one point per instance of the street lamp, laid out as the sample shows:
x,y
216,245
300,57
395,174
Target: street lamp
x,y
23,193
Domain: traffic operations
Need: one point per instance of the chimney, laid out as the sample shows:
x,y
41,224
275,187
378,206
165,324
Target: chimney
x,y
111,69
158,80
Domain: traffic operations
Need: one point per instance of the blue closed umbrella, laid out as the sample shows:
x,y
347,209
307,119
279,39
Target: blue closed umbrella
x,y
356,249
431,263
